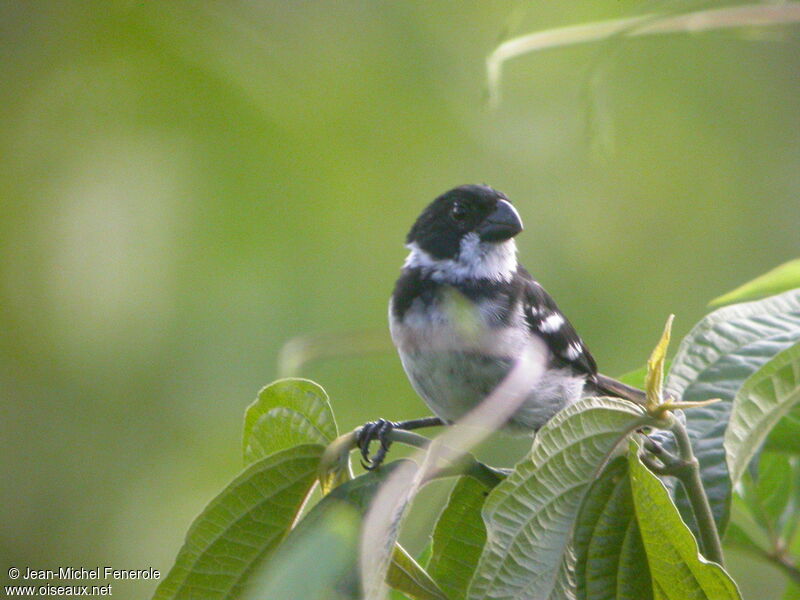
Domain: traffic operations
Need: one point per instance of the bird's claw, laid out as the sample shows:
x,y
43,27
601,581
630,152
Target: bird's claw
x,y
374,430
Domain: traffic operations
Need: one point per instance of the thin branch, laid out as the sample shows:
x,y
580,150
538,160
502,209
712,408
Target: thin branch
x,y
689,476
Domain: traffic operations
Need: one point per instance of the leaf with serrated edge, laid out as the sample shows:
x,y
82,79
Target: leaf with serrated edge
x,y
764,398
247,520
713,361
458,538
286,413
610,563
529,517
678,570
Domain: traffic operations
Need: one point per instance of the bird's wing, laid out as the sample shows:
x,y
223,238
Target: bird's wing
x,y
546,320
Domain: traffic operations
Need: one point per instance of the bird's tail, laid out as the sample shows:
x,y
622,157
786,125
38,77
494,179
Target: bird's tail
x,y
608,386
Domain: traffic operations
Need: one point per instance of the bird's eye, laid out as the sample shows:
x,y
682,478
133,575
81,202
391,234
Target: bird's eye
x,y
459,212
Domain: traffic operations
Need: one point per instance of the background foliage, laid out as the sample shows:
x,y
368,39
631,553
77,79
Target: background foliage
x,y
185,187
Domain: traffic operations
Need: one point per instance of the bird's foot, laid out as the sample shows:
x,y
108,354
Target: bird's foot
x,y
374,430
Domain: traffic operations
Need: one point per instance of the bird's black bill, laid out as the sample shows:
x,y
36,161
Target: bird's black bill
x,y
502,224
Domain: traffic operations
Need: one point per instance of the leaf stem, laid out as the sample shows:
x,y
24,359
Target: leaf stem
x,y
688,473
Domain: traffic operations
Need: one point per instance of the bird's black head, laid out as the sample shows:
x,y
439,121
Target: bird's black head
x,y
468,209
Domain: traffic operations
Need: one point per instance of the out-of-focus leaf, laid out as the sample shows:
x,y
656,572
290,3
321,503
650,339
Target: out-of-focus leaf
x,y
314,563
678,570
610,560
713,361
458,538
785,436
286,413
780,279
792,591
341,576
244,523
424,557
530,516
406,575
743,530
769,492
636,378
640,25
737,536
765,397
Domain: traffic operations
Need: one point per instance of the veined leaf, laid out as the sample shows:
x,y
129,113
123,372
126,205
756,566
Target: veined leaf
x,y
610,559
458,538
780,279
286,413
678,570
764,398
713,361
245,522
530,516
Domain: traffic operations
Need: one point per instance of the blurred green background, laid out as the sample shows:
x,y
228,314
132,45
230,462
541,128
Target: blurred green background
x,y
186,186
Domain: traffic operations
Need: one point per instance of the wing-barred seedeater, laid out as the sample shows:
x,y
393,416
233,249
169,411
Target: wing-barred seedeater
x,y
464,242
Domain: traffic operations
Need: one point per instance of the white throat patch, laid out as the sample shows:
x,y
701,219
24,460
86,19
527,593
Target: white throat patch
x,y
476,260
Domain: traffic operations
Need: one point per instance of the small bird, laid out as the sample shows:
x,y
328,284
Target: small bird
x,y
462,253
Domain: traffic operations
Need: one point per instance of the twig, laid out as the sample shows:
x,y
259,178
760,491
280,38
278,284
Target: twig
x,y
687,471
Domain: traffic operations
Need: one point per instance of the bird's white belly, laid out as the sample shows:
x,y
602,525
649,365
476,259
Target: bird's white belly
x,y
453,383
453,370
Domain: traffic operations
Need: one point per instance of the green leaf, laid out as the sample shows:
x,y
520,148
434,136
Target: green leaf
x,y
654,380
286,413
744,531
780,279
610,560
313,564
785,436
245,522
713,361
792,591
332,569
769,492
637,377
736,536
406,575
765,397
678,570
458,538
529,517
